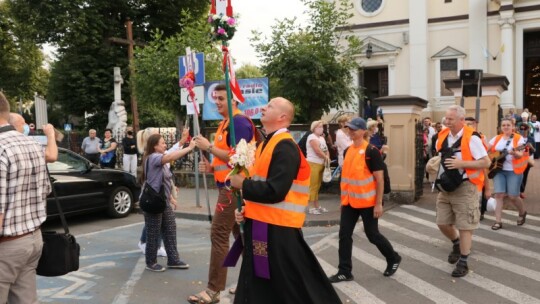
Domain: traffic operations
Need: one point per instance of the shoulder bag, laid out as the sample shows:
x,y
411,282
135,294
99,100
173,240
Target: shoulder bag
x,y
60,254
327,173
152,201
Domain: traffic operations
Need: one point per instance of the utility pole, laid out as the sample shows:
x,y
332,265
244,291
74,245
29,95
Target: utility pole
x,y
130,44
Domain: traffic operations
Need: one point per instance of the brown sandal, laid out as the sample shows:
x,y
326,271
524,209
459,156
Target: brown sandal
x,y
496,226
204,297
521,219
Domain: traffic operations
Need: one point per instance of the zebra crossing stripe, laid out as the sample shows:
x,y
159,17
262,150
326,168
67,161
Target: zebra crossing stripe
x,y
476,238
423,288
499,289
515,213
351,289
514,235
488,259
513,223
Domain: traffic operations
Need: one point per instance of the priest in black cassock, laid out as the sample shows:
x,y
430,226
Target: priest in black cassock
x,y
278,265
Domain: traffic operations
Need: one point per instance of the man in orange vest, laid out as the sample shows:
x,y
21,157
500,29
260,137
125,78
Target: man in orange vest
x,y
457,210
278,265
362,187
223,222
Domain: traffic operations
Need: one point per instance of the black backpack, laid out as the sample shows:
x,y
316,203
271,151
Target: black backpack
x,y
450,179
387,188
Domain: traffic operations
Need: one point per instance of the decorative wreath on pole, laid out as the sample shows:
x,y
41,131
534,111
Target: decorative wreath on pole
x,y
223,27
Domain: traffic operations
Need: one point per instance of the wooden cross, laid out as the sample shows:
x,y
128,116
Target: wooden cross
x,y
130,43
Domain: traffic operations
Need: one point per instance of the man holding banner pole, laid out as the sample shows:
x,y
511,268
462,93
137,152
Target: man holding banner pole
x,y
223,222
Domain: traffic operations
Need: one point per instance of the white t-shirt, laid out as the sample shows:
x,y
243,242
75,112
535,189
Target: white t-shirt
x,y
343,141
536,125
311,155
478,150
507,165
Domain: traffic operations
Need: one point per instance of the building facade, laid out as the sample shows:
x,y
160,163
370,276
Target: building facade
x,y
411,46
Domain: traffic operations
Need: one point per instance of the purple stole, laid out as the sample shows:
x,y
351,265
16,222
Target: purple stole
x,y
259,236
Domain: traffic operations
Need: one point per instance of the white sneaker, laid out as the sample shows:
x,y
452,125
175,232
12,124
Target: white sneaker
x,y
322,209
315,211
142,247
161,252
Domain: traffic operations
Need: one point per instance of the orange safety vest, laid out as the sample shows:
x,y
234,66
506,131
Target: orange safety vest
x,y
358,185
476,176
291,212
221,168
519,164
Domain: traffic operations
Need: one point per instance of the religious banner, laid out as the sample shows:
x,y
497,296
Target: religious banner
x,y
255,91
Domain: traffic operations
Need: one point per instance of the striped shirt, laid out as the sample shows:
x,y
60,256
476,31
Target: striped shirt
x,y
24,184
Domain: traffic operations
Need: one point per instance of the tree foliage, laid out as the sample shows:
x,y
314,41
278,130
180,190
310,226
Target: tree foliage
x,y
156,65
20,60
312,65
249,71
82,78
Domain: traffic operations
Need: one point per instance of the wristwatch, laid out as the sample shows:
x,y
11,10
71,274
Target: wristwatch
x,y
209,149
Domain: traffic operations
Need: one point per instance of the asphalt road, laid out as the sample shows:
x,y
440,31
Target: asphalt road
x,y
505,264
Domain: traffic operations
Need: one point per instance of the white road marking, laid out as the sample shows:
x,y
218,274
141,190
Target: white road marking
x,y
515,213
423,288
123,296
476,238
351,289
514,235
110,229
499,289
488,259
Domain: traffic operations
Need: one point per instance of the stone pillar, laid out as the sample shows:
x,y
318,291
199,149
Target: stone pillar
x,y
391,75
507,57
401,112
418,48
492,88
478,38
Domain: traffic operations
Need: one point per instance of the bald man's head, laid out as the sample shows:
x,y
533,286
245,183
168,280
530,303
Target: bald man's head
x,y
17,121
286,107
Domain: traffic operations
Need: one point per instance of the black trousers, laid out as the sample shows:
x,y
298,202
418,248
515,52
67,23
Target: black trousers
x,y
349,217
537,151
93,157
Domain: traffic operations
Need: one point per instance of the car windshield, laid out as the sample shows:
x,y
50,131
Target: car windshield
x,y
67,162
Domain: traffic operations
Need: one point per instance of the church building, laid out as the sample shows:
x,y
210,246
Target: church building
x,y
411,46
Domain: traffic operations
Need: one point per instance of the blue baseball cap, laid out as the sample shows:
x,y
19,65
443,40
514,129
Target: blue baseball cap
x,y
357,123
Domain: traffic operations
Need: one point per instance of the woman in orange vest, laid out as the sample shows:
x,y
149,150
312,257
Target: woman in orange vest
x,y
508,180
278,266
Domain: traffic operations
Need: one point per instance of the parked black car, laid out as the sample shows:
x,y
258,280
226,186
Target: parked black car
x,y
83,187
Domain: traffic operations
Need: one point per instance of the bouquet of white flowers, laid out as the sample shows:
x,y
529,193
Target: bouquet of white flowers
x,y
242,157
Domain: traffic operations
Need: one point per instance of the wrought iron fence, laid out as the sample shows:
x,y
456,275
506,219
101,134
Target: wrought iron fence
x,y
420,166
73,141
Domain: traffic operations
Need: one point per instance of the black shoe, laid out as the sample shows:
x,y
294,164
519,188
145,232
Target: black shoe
x,y
461,270
453,257
340,277
392,267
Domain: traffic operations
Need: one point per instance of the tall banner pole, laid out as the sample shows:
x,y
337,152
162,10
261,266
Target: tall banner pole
x,y
231,124
187,82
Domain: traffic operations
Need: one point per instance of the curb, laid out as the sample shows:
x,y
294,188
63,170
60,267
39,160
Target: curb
x,y
308,223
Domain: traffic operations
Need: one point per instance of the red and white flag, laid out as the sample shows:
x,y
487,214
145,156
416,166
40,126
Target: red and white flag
x,y
233,82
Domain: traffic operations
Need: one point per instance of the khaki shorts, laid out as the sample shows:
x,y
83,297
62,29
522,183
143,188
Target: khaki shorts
x,y
459,208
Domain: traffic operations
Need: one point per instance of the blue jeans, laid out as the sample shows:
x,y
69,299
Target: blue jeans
x,y
507,182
